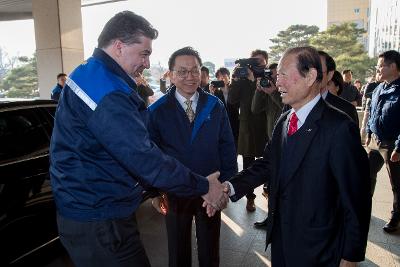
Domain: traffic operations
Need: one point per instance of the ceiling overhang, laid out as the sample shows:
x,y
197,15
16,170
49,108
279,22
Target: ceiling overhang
x,y
22,9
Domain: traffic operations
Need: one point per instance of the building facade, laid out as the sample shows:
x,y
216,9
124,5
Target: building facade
x,y
384,26
356,11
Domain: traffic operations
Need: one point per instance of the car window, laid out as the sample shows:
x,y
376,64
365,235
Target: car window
x,y
48,113
21,134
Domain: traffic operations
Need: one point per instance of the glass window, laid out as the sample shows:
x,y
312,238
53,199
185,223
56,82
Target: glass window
x,y
357,10
48,114
21,134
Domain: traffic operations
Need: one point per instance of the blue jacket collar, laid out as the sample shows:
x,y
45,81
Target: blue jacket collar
x,y
113,66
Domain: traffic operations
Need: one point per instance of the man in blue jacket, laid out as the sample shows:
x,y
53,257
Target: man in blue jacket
x,y
193,127
101,155
56,92
383,129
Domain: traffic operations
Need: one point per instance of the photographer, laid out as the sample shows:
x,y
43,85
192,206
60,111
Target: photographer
x,y
252,127
267,100
222,91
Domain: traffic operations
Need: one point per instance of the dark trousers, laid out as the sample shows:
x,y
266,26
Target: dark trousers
x,y
379,153
247,161
179,230
103,243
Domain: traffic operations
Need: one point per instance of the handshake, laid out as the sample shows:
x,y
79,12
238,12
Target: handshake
x,y
216,199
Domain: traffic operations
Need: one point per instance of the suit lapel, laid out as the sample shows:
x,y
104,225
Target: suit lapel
x,y
307,133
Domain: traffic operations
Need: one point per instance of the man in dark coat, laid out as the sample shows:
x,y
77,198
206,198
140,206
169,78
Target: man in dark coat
x,y
319,198
252,127
350,92
191,125
328,68
223,74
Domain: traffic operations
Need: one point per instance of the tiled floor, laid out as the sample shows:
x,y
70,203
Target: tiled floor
x,y
243,245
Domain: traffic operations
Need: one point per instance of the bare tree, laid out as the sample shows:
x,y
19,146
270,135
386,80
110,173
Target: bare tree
x,y
7,63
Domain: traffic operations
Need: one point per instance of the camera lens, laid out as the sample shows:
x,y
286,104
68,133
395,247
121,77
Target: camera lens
x,y
264,82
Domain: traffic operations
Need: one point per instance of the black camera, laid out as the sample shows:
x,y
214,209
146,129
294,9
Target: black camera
x,y
266,78
245,64
218,84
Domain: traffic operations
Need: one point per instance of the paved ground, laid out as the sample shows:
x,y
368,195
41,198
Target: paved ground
x,y
243,245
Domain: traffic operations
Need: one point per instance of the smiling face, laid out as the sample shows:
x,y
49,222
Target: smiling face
x,y
295,89
186,75
133,58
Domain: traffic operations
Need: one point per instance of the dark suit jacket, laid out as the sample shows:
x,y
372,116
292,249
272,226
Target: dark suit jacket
x,y
324,203
233,114
344,106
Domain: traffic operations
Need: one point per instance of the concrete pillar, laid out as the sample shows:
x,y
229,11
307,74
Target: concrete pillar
x,y
59,40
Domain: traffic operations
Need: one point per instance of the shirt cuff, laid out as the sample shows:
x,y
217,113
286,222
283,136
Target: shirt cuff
x,y
231,189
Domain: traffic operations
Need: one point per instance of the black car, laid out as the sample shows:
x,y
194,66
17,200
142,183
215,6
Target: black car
x,y
27,209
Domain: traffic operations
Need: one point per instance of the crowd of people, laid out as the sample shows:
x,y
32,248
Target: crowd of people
x,y
297,130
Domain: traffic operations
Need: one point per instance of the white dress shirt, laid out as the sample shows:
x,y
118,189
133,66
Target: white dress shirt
x,y
181,99
324,94
303,112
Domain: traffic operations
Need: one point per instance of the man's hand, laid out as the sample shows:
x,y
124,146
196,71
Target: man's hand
x,y
165,75
344,263
266,90
140,80
160,204
367,141
227,188
215,199
395,157
250,75
212,88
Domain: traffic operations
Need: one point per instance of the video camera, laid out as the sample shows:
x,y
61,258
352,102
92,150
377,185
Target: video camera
x,y
259,71
218,84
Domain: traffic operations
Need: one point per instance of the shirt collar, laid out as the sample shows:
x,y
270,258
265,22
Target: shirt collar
x,y
324,94
181,99
305,110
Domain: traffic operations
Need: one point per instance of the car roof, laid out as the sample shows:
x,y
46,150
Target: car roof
x,y
12,103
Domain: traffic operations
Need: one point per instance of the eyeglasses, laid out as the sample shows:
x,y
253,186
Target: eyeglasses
x,y
185,73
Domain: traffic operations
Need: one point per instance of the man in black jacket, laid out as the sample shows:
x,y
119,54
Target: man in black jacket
x,y
317,216
328,68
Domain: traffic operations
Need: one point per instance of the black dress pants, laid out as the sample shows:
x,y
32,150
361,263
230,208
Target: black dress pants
x,y
379,153
103,243
179,230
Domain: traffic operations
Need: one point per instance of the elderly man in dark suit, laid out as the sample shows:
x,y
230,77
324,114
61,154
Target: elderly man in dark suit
x,y
320,201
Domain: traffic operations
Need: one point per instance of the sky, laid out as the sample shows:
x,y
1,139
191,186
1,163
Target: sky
x,y
218,29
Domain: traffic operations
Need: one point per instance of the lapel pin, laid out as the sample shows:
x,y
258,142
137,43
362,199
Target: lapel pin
x,y
309,130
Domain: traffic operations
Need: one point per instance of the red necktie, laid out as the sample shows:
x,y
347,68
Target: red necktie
x,y
292,124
